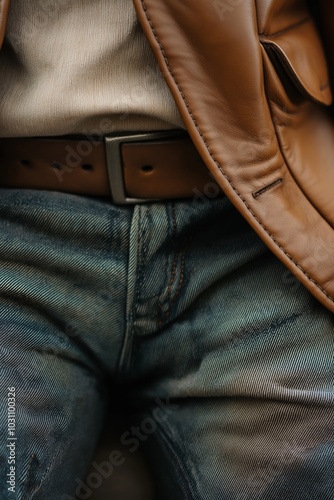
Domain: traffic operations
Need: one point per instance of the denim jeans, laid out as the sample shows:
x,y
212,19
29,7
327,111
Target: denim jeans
x,y
177,311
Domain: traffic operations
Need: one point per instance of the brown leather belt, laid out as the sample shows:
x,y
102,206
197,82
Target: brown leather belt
x,y
130,168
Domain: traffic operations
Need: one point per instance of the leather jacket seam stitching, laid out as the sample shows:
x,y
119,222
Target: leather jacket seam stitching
x,y
220,168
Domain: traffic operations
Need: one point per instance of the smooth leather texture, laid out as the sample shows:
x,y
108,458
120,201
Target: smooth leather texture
x,y
153,169
253,117
296,55
178,171
4,7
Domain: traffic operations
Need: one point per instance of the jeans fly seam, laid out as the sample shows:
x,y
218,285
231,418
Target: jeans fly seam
x,y
182,273
126,350
180,283
141,258
163,317
180,254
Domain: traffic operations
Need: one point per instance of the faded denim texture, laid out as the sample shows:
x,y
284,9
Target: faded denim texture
x,y
218,353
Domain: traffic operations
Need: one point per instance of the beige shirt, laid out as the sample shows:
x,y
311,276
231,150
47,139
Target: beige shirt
x,y
80,66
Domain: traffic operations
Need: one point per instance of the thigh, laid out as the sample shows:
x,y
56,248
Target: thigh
x,y
52,408
62,275
236,388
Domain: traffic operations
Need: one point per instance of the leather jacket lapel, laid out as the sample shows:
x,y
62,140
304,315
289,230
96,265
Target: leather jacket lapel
x,y
4,7
258,118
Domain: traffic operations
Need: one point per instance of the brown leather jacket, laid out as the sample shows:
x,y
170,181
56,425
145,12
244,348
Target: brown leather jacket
x,y
250,78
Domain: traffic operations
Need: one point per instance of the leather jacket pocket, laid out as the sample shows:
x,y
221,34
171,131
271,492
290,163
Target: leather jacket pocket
x,y
297,57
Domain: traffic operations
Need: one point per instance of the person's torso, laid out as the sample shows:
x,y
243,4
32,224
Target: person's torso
x,y
74,66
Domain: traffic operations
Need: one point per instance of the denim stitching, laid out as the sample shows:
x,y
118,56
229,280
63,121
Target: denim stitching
x,y
181,280
142,257
179,255
161,315
126,350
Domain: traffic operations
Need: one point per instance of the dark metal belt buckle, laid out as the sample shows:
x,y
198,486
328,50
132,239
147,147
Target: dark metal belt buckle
x,y
115,163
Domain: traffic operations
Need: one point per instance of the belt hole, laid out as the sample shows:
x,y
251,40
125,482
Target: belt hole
x,y
87,166
26,163
147,169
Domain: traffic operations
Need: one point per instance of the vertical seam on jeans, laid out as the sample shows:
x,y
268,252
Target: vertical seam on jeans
x,y
161,317
141,259
131,308
182,274
173,298
180,252
176,256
